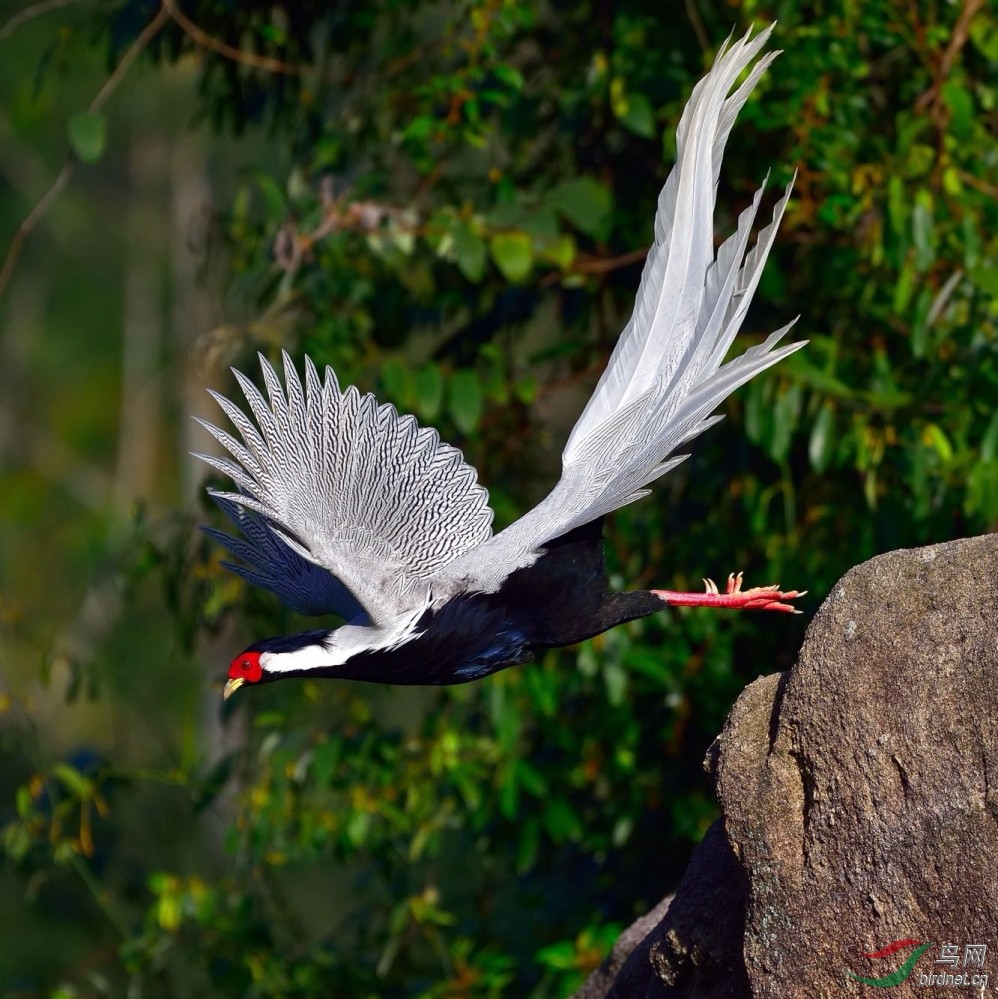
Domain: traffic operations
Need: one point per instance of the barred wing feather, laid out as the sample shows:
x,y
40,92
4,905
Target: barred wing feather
x,y
665,376
351,486
273,565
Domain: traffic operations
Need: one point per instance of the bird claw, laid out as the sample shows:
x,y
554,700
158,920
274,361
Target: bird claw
x,y
769,597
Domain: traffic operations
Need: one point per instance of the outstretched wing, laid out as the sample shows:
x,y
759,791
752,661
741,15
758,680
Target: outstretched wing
x,y
351,486
304,586
665,376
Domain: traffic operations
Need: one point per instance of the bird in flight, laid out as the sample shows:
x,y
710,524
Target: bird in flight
x,y
346,507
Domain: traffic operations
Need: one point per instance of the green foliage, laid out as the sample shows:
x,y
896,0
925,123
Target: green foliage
x,y
455,228
88,135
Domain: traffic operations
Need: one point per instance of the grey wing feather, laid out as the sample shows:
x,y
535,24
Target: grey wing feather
x,y
665,376
272,565
351,486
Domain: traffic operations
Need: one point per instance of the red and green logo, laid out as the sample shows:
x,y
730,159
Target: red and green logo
x,y
895,977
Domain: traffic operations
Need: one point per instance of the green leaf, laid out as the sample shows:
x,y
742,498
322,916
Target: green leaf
x,y
16,840
586,203
506,215
897,206
923,230
469,252
24,801
786,412
561,821
325,761
971,243
622,829
989,442
984,34
870,488
560,956
561,252
526,389
530,841
509,75
636,114
821,444
73,780
275,202
465,400
88,135
985,277
513,254
982,491
615,678
904,287
419,128
541,224
397,378
530,779
357,827
429,385
935,437
509,794
404,241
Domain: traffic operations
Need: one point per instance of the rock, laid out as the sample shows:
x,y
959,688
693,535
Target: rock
x,y
631,948
859,795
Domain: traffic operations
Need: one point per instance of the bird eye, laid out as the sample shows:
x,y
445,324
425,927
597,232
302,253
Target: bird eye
x,y
245,665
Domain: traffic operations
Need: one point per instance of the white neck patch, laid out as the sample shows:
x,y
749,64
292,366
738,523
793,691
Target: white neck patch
x,y
343,644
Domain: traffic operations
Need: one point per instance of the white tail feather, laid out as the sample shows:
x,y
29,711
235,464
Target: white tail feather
x,y
666,375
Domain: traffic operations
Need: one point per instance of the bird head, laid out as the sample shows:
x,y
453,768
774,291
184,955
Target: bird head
x,y
273,658
315,653
245,668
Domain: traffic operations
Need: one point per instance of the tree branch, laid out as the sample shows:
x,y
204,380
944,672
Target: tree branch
x,y
101,98
201,37
30,13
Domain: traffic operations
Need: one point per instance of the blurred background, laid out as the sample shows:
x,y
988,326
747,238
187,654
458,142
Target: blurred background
x,y
450,203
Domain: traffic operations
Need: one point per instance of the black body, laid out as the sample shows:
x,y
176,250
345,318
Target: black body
x,y
559,600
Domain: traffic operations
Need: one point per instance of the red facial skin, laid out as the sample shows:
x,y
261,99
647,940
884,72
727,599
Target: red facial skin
x,y
246,666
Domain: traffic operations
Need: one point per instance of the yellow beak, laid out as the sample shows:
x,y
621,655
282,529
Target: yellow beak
x,y
231,686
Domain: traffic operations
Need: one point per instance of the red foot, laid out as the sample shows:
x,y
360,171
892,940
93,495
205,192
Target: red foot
x,y
734,597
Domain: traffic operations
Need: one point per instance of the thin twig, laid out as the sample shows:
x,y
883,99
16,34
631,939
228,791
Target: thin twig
x,y
30,13
99,895
697,24
14,250
991,190
931,99
148,33
292,246
600,265
105,92
201,37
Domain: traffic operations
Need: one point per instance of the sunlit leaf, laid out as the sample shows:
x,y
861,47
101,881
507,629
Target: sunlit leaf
x,y
88,135
74,781
935,437
513,254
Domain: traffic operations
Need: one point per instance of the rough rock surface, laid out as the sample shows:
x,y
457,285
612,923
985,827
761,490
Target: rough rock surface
x,y
859,795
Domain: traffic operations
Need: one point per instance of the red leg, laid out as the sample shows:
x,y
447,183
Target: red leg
x,y
734,597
